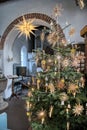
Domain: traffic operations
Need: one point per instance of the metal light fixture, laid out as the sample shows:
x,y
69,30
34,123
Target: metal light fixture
x,y
9,59
80,3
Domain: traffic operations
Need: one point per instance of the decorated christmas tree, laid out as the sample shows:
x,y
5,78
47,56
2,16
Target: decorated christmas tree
x,y
57,97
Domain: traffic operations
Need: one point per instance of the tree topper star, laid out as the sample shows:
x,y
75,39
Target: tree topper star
x,y
26,27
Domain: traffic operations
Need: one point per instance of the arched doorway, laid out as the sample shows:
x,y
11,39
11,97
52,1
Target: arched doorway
x,y
45,19
10,34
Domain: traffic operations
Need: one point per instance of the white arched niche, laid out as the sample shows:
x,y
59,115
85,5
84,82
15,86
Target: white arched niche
x,y
8,61
9,57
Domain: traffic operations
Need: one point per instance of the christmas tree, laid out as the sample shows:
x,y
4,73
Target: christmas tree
x,y
57,99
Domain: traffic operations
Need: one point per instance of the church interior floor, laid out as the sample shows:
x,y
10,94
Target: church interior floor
x,y
16,113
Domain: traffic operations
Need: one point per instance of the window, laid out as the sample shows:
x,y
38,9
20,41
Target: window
x,y
23,56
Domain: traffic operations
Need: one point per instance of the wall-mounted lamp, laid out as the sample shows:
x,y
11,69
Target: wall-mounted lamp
x,y
9,59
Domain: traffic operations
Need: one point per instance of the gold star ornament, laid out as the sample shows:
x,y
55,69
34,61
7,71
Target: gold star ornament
x,y
26,27
53,38
78,109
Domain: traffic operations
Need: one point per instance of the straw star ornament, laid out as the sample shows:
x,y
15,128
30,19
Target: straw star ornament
x,y
26,27
57,10
78,109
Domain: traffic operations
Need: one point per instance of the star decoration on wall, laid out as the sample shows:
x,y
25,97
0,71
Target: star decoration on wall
x,y
26,27
57,10
72,31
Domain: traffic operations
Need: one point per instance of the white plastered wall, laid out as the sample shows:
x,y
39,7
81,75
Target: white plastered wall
x,y
8,65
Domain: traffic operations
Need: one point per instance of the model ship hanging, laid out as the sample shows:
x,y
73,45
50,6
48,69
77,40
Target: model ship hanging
x,y
26,27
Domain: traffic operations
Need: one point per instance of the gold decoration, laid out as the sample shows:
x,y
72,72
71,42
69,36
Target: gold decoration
x,y
28,83
38,83
38,80
30,94
46,86
65,62
78,109
68,125
26,27
51,110
63,96
50,61
29,115
51,87
73,51
82,80
67,111
48,68
60,85
57,10
43,62
73,88
43,67
81,56
55,61
33,80
32,89
64,42
53,38
42,36
28,105
72,31
37,60
74,94
75,62
41,115
46,78
69,106
62,80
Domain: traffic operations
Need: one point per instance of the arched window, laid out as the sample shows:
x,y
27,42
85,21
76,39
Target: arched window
x,y
23,56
